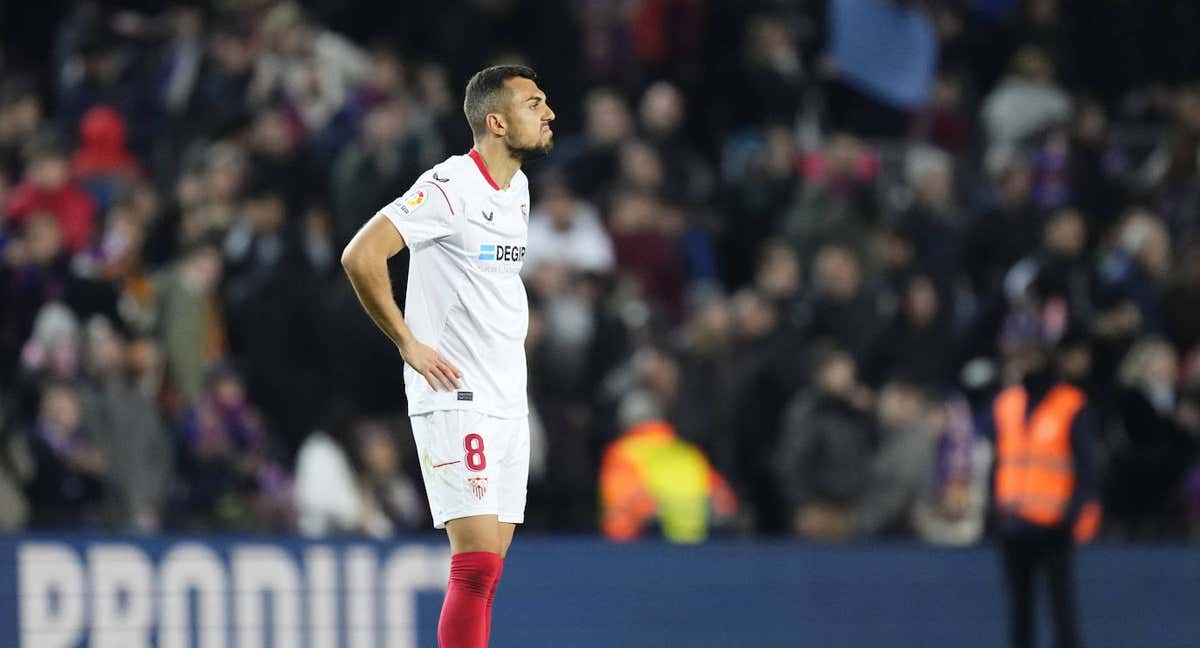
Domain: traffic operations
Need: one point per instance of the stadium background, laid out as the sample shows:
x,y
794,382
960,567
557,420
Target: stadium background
x,y
764,223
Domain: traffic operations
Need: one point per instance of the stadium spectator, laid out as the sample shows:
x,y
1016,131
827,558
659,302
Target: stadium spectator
x,y
590,160
387,153
313,69
842,307
48,188
903,463
914,344
651,477
68,483
181,310
229,479
826,451
360,489
127,430
566,230
1150,449
1024,103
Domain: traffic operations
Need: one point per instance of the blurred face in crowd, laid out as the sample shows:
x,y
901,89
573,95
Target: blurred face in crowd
x,y
632,212
228,392
433,87
232,53
203,269
1091,123
386,124
1016,185
641,166
900,405
895,250
1156,256
921,302
779,153
1066,234
527,121
844,153
947,92
1187,108
379,455
754,317
1043,13
49,172
1162,366
778,271
265,213
106,350
21,118
607,118
934,185
43,238
60,407
559,204
837,273
386,74
272,134
660,374
771,44
837,375
713,325
1032,65
662,109
1075,362
225,169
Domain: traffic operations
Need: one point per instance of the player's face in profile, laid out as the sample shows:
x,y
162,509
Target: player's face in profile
x,y
528,136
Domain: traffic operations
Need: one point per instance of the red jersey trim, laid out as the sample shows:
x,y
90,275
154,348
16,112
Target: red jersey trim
x,y
448,203
474,155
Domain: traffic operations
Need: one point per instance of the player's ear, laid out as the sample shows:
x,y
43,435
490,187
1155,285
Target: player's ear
x,y
495,124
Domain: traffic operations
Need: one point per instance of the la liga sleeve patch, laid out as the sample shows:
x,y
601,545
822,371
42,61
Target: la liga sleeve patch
x,y
412,201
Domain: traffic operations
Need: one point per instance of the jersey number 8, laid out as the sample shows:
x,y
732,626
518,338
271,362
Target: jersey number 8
x,y
473,444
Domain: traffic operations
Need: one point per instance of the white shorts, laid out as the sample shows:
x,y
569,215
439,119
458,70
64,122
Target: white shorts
x,y
473,464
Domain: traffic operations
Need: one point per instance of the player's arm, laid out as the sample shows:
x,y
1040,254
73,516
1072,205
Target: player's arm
x,y
365,261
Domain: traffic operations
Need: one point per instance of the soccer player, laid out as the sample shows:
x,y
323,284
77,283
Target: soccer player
x,y
463,335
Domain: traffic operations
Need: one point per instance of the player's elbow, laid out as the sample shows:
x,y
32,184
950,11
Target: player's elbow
x,y
353,257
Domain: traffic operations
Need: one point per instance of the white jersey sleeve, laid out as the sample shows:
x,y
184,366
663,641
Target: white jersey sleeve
x,y
422,214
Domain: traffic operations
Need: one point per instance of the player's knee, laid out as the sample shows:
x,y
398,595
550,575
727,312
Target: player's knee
x,y
475,571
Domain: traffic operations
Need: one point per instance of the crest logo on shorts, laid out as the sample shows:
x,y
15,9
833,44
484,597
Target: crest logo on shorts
x,y
478,486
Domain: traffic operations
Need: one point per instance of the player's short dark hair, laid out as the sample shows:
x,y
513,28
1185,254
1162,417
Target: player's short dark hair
x,y
486,93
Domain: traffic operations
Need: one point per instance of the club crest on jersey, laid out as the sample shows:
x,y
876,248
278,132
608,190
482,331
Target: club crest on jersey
x,y
478,486
410,201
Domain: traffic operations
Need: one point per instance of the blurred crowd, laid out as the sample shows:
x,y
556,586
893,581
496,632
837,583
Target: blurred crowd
x,y
803,294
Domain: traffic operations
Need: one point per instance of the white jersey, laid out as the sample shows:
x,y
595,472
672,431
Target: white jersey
x,y
465,297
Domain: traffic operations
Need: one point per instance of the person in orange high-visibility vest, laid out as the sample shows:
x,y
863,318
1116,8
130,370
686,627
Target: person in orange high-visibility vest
x,y
1043,488
650,476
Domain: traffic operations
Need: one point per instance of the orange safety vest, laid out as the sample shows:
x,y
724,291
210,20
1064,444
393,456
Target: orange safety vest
x,y
1035,474
648,473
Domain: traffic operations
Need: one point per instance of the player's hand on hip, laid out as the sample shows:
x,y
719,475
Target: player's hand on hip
x,y
438,371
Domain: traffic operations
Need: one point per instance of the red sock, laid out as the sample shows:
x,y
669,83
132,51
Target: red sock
x,y
465,611
487,632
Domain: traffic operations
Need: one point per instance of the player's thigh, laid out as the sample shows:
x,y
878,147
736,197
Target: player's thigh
x,y
507,530
475,533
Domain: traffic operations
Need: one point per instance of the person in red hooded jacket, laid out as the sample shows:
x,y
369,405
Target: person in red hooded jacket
x,y
48,187
102,145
